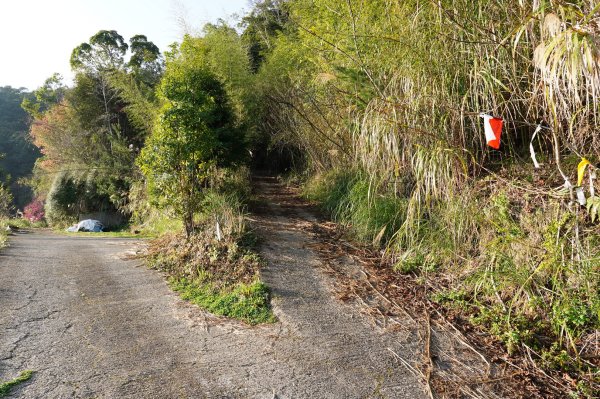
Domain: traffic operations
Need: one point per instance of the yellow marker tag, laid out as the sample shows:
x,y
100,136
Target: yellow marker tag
x,y
581,170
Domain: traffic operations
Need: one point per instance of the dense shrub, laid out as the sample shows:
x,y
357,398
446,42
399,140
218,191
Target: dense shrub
x,y
6,201
34,211
72,195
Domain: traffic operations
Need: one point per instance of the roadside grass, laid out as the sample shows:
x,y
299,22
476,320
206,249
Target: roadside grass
x,y
521,266
107,234
154,227
6,387
353,200
157,224
24,223
246,302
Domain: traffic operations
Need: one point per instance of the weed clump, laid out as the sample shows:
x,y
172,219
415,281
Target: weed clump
x,y
350,198
247,302
6,387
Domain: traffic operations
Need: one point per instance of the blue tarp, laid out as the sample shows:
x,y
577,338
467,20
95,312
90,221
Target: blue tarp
x,y
91,225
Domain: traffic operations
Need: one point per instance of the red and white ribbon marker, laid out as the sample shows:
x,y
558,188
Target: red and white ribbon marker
x,y
493,130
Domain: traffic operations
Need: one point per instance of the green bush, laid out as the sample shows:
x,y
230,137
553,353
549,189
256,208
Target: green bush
x,y
72,195
247,302
350,198
6,201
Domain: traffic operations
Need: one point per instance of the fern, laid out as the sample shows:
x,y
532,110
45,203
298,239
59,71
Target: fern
x,y
593,206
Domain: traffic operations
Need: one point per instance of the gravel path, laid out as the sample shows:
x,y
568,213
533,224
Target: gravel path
x,y
92,324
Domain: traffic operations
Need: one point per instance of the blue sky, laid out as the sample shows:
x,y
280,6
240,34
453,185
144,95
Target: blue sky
x,y
37,36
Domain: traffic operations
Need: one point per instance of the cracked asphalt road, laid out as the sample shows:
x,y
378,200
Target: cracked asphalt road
x,y
92,324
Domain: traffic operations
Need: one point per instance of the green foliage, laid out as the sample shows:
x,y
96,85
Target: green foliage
x,y
352,199
217,268
247,302
141,103
146,63
261,26
513,331
593,208
6,387
389,127
104,52
556,358
416,261
6,201
95,129
223,52
49,94
72,195
572,315
528,289
22,223
194,133
19,155
456,298
226,209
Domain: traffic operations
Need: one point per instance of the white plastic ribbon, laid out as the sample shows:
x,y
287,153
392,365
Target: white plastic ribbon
x,y
531,150
218,231
580,196
592,178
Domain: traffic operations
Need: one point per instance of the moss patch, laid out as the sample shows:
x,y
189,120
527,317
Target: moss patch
x,y
246,302
6,387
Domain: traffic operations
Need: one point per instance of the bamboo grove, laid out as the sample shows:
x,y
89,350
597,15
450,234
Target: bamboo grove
x,y
381,101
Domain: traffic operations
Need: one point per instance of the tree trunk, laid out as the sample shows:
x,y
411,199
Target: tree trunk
x,y
188,221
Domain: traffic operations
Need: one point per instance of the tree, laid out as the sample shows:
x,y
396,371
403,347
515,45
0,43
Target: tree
x,y
6,201
194,133
227,57
261,26
50,93
94,130
20,154
104,52
146,63
102,79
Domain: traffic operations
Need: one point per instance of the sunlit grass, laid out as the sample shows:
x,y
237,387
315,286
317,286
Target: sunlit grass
x,y
6,387
247,302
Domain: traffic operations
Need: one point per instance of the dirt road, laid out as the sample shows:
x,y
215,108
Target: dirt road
x,y
92,324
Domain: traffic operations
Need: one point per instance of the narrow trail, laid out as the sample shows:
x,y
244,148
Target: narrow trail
x,y
92,323
334,336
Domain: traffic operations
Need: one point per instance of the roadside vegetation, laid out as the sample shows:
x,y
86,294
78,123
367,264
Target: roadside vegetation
x,y
155,142
217,267
382,116
6,387
378,117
